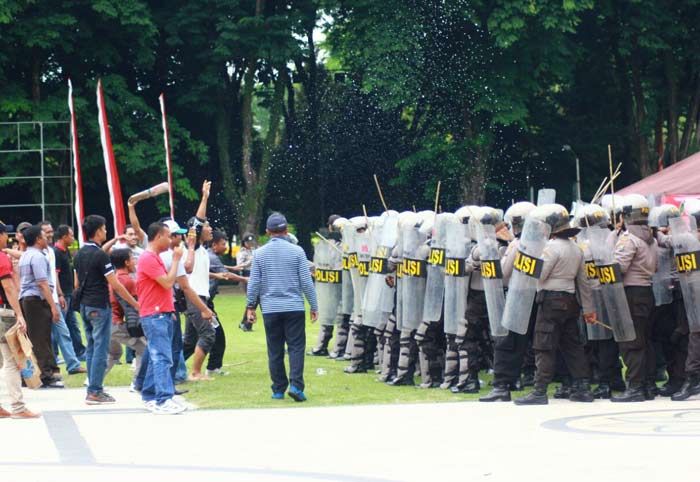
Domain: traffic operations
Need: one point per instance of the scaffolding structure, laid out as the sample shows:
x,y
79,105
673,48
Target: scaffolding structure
x,y
29,138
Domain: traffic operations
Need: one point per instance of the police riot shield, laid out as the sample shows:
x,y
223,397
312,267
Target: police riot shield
x,y
456,282
415,254
348,246
328,274
492,275
662,281
546,196
686,248
527,268
359,271
435,282
610,279
594,332
379,297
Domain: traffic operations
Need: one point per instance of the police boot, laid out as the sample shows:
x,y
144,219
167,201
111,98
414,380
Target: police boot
x,y
603,391
563,391
536,397
650,390
528,380
581,392
321,352
618,385
690,388
406,381
499,393
634,393
355,369
671,387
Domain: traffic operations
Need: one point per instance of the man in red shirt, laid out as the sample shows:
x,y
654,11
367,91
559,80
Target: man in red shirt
x,y
154,286
10,313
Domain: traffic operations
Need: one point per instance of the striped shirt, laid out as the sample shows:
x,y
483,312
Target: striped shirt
x,y
280,278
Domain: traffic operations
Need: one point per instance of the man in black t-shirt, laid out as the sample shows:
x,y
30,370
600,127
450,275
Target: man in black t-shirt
x,y
64,268
95,276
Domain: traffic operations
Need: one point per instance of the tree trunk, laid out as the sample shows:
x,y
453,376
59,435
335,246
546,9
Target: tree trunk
x,y
690,120
223,146
672,89
659,139
640,142
36,78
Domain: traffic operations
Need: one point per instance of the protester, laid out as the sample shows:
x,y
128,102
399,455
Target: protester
x,y
59,330
64,268
10,314
95,276
218,272
38,306
200,333
280,279
244,259
126,327
157,313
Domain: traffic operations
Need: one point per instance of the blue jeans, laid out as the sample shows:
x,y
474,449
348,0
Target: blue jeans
x,y
74,329
158,384
98,330
178,370
61,336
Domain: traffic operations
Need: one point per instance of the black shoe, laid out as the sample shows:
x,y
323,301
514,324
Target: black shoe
x,y
528,380
618,385
401,382
180,392
321,352
355,369
536,397
670,388
632,394
603,391
563,391
53,384
499,393
690,388
245,326
470,387
581,392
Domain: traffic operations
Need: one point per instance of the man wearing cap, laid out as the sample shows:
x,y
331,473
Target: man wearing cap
x,y
10,313
280,278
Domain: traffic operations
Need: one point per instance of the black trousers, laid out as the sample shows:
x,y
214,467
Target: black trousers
x,y
280,328
557,328
669,332
638,354
216,355
477,340
37,312
509,353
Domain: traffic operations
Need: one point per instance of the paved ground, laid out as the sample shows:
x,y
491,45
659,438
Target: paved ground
x,y
433,442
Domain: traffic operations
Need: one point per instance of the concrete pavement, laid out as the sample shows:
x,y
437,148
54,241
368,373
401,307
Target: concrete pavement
x,y
434,442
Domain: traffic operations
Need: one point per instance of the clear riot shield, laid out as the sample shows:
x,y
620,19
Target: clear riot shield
x,y
686,248
610,280
435,282
328,276
492,275
662,281
546,196
456,282
527,268
359,271
414,270
379,297
348,246
594,332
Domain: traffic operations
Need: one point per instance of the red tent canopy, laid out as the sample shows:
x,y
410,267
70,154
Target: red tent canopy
x,y
681,180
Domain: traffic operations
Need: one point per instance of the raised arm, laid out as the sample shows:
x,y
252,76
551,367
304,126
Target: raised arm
x,y
202,209
134,220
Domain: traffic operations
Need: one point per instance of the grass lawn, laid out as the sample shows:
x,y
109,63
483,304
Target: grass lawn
x,y
248,382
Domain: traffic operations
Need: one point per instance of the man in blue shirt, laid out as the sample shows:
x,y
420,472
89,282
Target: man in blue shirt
x,y
280,278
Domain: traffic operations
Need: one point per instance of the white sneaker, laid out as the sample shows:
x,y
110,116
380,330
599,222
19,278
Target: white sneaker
x,y
150,405
133,365
218,372
168,408
180,400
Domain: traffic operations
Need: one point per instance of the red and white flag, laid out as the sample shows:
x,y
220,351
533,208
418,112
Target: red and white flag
x,y
115,191
77,177
168,160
